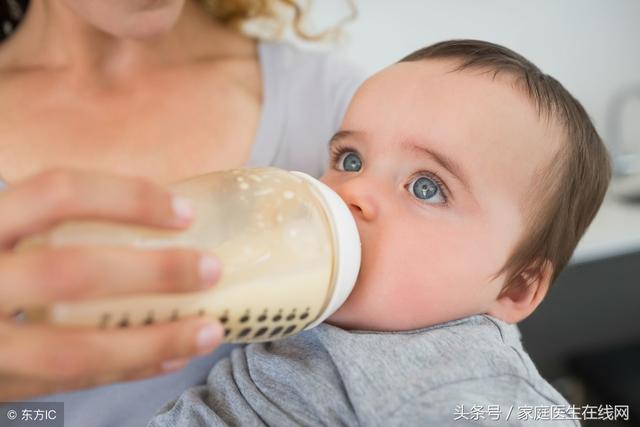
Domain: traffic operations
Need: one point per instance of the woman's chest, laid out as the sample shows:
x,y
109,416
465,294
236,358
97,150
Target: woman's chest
x,y
164,134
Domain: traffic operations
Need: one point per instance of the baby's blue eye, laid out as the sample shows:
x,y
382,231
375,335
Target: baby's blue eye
x,y
349,162
425,188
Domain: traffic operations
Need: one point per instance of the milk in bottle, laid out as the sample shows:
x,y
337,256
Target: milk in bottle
x,y
288,246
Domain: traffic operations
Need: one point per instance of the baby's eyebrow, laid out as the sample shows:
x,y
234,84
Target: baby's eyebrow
x,y
446,162
443,160
342,134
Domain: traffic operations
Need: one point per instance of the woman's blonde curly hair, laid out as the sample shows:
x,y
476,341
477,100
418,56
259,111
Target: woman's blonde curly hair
x,y
272,17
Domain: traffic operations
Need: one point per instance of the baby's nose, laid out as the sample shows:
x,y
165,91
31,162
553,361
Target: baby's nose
x,y
361,200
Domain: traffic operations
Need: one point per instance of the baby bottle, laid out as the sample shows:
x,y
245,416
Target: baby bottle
x,y
288,245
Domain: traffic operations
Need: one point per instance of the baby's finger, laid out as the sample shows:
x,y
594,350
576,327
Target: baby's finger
x,y
41,276
70,356
39,202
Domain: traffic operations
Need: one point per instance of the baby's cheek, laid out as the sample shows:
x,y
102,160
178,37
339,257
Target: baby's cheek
x,y
437,282
412,304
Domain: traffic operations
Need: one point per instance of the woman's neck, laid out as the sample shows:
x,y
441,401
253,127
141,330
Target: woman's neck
x,y
52,37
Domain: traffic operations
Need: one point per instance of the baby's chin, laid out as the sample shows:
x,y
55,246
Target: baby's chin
x,y
385,323
348,324
352,317
364,313
352,322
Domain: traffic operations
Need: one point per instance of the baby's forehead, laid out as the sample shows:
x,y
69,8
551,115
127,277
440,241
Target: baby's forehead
x,y
443,82
484,121
432,88
443,71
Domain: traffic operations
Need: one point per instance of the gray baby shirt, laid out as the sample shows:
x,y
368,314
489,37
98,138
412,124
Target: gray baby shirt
x,y
452,373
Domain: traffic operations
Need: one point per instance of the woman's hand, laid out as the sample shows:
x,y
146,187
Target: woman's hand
x,y
42,359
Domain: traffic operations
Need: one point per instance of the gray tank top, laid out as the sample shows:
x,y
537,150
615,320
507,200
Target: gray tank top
x,y
305,97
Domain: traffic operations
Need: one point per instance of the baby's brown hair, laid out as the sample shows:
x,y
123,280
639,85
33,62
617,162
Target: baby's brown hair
x,y
571,188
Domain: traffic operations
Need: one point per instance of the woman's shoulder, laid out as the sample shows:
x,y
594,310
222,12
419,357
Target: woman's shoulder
x,y
305,95
298,67
288,56
322,76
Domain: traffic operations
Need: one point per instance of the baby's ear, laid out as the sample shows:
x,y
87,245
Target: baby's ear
x,y
523,295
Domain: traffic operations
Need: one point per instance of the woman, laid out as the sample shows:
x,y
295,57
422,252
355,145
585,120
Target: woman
x,y
158,90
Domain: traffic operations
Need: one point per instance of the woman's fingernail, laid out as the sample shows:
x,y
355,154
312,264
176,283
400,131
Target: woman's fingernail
x,y
174,364
182,209
208,338
209,270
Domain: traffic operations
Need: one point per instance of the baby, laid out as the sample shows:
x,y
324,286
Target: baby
x,y
471,176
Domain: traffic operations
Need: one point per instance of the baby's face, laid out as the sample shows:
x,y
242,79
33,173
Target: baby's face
x,y
438,168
